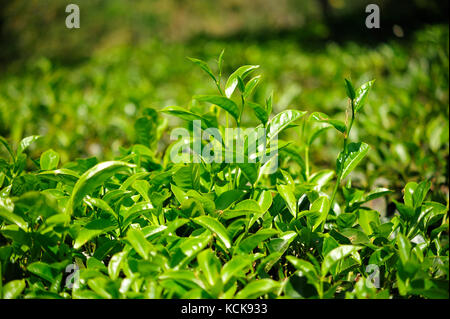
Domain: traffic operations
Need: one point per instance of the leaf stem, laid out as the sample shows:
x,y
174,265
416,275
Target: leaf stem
x,y
218,87
307,162
344,151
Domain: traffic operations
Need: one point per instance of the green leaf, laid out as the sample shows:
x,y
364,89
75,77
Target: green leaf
x,y
232,81
294,153
281,121
408,192
227,198
355,236
269,104
248,205
153,230
244,208
289,198
366,197
209,264
13,289
187,177
366,218
183,276
241,85
221,101
259,111
250,243
280,245
137,240
7,213
135,211
93,229
63,174
288,179
103,287
346,220
215,227
220,61
6,145
336,255
258,288
322,206
93,178
193,245
250,171
145,131
43,270
185,114
99,203
131,179
204,66
265,200
95,264
234,267
25,143
406,212
180,195
404,248
420,193
264,203
251,85
350,89
174,225
362,94
355,153
142,187
305,267
323,118
329,243
115,264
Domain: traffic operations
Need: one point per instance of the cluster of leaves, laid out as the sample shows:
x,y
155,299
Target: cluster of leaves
x,y
82,112
142,226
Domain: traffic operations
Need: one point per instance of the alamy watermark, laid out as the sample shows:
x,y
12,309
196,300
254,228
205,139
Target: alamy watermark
x,y
373,19
373,279
73,19
73,277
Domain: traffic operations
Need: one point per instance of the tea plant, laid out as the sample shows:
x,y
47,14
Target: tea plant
x,y
142,226
80,112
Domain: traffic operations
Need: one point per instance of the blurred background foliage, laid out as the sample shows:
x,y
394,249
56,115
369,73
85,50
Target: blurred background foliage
x,y
36,27
83,89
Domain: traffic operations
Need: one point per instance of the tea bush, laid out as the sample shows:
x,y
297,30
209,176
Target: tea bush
x,y
90,109
142,226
